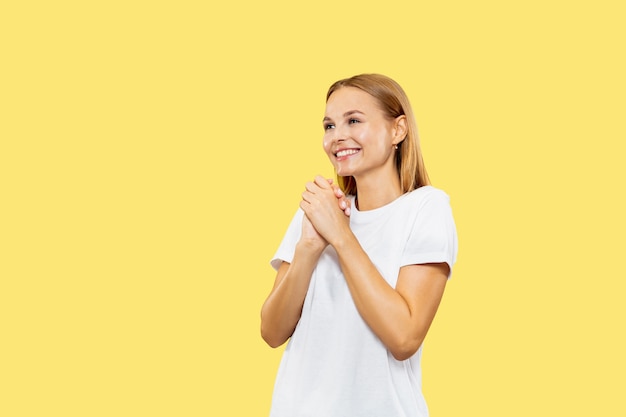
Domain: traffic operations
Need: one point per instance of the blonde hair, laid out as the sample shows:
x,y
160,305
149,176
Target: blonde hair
x,y
394,103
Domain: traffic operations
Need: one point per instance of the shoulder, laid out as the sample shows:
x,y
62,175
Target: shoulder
x,y
432,236
427,196
427,206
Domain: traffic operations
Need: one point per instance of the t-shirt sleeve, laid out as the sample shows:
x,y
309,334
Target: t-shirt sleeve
x,y
287,247
433,237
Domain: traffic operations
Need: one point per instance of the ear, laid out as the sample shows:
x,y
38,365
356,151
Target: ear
x,y
400,129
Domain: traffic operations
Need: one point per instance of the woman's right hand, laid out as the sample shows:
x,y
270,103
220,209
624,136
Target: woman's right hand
x,y
344,202
310,236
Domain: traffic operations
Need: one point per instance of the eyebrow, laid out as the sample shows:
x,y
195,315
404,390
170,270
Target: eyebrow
x,y
346,114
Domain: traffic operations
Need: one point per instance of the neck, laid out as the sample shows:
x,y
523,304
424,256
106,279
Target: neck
x,y
375,193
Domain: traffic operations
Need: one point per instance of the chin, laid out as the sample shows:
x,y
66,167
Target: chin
x,y
343,172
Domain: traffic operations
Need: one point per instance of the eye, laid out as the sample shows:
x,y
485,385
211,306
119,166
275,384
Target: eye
x,y
328,126
353,121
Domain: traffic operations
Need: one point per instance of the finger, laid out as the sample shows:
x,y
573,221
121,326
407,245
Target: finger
x,y
307,196
321,182
338,192
311,187
344,205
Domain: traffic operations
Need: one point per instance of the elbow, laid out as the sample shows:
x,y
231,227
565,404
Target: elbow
x,y
403,350
272,342
403,354
275,332
271,337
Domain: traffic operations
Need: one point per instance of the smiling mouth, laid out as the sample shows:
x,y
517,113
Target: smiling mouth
x,y
346,152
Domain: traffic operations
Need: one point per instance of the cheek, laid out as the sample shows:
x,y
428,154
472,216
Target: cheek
x,y
364,136
326,143
378,137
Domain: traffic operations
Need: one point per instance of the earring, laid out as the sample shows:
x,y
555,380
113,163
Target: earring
x,y
395,146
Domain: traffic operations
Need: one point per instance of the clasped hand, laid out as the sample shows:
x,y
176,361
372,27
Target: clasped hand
x,y
326,210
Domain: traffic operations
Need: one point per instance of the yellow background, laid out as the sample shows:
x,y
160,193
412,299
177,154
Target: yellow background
x,y
153,153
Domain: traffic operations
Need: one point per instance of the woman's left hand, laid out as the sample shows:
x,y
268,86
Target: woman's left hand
x,y
319,203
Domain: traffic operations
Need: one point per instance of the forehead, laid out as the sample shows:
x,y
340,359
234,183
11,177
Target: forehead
x,y
350,98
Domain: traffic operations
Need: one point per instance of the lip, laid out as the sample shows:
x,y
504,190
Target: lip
x,y
345,153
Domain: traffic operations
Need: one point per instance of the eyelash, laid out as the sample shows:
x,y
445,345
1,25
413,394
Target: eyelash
x,y
332,126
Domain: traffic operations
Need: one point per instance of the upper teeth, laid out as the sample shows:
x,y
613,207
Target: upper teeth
x,y
346,152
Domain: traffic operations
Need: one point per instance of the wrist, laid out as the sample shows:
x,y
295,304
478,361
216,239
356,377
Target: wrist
x,y
343,240
310,247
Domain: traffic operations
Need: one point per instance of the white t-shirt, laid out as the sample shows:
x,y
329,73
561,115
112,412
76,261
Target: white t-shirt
x,y
334,365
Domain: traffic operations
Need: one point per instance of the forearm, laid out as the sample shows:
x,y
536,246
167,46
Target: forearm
x,y
383,308
282,309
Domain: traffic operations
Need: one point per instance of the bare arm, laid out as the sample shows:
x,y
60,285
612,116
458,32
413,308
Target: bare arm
x,y
399,316
283,307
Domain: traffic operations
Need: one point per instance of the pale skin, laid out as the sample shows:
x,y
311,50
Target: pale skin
x,y
360,141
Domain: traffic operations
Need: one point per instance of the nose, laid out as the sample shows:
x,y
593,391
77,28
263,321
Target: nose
x,y
336,137
339,134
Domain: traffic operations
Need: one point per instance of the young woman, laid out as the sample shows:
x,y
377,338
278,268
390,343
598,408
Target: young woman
x,y
360,275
